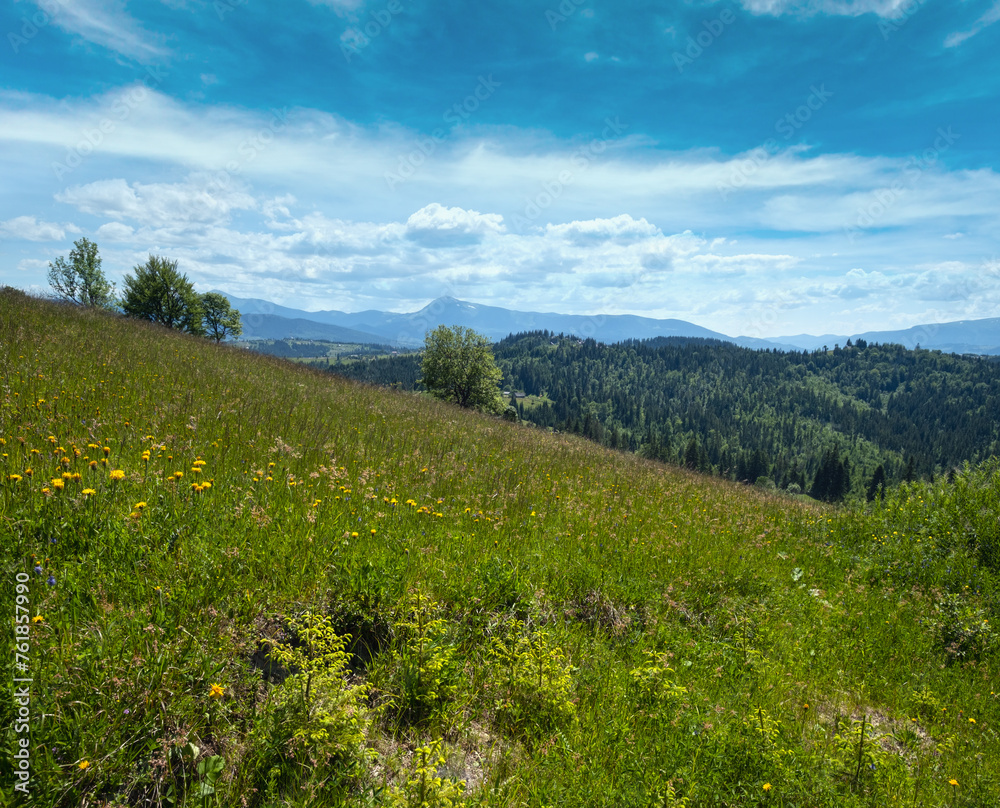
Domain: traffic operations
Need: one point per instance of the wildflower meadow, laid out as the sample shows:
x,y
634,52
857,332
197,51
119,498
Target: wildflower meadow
x,y
247,583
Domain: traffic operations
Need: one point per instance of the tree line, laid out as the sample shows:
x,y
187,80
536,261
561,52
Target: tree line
x,y
835,424
155,291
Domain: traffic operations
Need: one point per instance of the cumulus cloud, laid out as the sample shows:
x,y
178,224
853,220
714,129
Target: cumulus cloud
x,y
436,225
27,228
195,202
620,228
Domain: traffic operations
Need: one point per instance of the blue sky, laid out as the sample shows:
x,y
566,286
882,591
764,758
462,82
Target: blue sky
x,y
759,167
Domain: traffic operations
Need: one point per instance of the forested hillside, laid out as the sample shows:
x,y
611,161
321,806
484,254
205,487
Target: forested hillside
x,y
823,421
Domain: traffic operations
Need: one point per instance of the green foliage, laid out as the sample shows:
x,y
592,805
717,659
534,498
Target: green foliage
x,y
420,673
458,366
962,629
81,280
159,293
219,319
424,788
533,683
316,716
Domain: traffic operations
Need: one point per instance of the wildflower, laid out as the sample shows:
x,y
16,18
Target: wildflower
x,y
767,786
37,619
93,465
15,478
84,765
354,535
75,476
140,505
117,474
198,463
58,483
89,492
51,580
178,475
206,485
972,720
106,450
38,569
953,782
28,472
217,692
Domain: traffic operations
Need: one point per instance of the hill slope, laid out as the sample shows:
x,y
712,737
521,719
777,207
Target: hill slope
x,y
196,537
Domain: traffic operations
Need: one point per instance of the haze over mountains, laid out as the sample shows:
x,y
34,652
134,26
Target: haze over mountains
x,y
265,320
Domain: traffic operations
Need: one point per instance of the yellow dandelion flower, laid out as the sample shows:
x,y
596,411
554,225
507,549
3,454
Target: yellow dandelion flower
x,y
93,465
89,492
37,619
767,786
67,476
84,765
75,476
354,535
140,505
217,692
198,463
953,782
206,485
58,483
14,478
117,474
106,450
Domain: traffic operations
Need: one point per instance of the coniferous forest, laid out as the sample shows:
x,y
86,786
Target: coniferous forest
x,y
847,421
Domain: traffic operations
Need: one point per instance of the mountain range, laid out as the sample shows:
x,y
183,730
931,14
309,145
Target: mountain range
x,y
265,320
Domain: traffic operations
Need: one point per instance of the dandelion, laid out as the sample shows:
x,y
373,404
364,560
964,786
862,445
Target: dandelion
x,y
93,465
767,786
106,450
139,506
117,474
14,478
28,472
37,619
972,720
953,782
178,475
84,765
89,492
58,483
217,692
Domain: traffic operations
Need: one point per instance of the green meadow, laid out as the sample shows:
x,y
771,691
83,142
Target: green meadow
x,y
247,583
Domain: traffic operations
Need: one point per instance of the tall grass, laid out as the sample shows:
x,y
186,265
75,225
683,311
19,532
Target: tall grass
x,y
547,621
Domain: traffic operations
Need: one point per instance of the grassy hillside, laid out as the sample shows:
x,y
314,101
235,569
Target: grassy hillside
x,y
252,584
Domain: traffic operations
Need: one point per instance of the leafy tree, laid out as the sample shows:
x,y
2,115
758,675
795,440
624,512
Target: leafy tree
x,y
219,318
876,488
458,366
158,292
81,280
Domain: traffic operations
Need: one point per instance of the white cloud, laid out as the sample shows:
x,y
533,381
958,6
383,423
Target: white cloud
x,y
27,228
194,202
105,23
437,225
991,16
849,8
619,228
